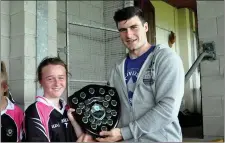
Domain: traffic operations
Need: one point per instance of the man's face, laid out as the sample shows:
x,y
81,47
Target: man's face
x,y
133,33
53,80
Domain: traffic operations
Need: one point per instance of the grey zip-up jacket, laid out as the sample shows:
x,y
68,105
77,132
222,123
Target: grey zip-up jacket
x,y
156,101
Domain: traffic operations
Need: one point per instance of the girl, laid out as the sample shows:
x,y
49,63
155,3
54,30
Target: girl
x,y
46,120
11,114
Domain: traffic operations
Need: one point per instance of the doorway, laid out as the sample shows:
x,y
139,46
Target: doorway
x,y
149,15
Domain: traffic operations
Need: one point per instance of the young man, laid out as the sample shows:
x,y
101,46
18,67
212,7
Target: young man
x,y
150,83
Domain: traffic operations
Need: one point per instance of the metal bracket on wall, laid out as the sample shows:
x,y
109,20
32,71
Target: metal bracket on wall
x,y
209,48
207,54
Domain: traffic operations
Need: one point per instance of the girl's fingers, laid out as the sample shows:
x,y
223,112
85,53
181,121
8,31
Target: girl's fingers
x,y
71,110
81,138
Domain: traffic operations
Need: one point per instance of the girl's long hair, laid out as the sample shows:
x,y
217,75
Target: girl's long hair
x,y
4,76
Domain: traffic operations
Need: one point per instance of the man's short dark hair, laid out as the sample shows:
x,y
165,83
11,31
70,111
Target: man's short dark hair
x,y
127,13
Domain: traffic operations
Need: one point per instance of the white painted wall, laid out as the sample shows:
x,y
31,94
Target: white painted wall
x,y
211,28
166,21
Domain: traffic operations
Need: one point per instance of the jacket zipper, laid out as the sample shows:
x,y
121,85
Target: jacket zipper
x,y
121,78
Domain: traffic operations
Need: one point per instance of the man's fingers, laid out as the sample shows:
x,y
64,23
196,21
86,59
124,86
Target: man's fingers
x,y
107,139
105,133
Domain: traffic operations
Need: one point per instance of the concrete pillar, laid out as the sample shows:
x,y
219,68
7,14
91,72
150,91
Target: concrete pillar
x,y
46,33
22,51
211,28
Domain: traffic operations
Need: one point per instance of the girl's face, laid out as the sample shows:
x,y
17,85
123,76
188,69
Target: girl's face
x,y
4,87
53,80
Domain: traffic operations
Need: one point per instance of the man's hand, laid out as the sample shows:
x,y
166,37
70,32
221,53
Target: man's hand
x,y
111,136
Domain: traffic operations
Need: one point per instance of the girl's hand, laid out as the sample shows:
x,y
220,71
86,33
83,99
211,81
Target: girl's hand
x,y
70,115
74,123
85,138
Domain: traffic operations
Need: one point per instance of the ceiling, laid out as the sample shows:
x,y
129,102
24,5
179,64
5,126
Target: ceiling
x,y
191,4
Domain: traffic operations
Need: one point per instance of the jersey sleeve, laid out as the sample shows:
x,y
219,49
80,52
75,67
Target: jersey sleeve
x,y
33,128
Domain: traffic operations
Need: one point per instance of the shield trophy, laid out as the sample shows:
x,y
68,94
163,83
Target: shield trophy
x,y
97,108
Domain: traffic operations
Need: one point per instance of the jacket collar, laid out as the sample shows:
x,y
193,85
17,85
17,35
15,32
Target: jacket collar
x,y
47,102
10,106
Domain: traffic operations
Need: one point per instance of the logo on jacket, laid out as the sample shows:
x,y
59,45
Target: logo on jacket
x,y
148,77
9,132
65,121
55,125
